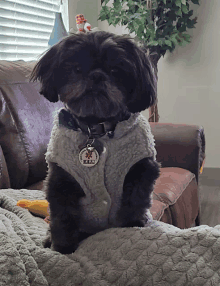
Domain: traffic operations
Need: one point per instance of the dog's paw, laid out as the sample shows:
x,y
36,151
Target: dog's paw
x,y
63,249
137,223
47,242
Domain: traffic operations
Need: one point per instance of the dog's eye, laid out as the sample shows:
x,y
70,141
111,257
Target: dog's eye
x,y
78,69
114,71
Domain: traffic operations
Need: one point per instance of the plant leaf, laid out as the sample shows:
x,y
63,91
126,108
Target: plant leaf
x,y
178,3
105,1
179,13
168,43
153,43
195,2
185,9
173,39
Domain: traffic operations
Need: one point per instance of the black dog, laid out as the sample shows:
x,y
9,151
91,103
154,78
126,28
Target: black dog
x,y
101,156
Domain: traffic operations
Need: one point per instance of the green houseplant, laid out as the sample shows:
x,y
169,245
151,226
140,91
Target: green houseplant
x,y
161,24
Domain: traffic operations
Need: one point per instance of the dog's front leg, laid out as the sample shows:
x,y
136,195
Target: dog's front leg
x,y
63,194
64,229
138,186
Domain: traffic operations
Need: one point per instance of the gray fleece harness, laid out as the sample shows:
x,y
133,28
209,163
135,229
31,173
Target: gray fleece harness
x,y
102,183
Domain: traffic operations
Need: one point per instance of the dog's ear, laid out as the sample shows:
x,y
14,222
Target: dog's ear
x,y
45,72
145,92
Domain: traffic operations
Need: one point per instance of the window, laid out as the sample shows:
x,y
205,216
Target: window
x,y
25,28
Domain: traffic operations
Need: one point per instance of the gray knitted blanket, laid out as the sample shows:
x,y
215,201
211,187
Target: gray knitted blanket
x,y
159,254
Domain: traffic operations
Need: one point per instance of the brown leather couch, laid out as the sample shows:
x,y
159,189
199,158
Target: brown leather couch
x,y
26,119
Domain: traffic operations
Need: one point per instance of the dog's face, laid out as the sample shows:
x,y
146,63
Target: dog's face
x,y
97,75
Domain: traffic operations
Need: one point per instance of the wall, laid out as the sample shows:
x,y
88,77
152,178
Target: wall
x,y
189,78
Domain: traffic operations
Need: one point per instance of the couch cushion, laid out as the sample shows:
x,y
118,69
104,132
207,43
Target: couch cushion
x,y
36,186
177,190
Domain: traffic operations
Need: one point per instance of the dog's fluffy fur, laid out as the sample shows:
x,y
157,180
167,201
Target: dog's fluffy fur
x,y
100,77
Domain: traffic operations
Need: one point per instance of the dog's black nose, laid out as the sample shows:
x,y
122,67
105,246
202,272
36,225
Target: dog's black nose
x,y
97,77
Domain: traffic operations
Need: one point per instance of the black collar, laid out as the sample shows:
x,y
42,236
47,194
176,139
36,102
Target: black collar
x,y
93,131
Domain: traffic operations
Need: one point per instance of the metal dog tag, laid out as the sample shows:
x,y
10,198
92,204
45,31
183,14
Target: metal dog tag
x,y
89,156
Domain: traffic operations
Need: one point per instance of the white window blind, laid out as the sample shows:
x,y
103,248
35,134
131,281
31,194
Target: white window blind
x,y
25,28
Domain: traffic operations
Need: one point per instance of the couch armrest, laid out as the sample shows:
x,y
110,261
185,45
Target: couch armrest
x,y
26,121
180,145
4,177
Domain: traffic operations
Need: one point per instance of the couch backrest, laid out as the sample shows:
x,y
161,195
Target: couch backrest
x,y
26,120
